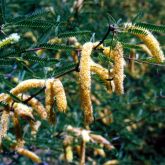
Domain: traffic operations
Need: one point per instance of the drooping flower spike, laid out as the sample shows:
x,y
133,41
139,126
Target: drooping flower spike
x,y
149,40
85,82
118,70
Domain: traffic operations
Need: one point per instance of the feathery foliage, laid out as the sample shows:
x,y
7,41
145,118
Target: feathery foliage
x,y
137,31
73,34
30,24
151,27
37,59
122,123
55,46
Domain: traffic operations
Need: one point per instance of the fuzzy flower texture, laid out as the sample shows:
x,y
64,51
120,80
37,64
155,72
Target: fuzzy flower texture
x,y
12,38
149,40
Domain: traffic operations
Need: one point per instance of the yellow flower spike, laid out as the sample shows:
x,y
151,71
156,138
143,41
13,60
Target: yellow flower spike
x,y
73,41
31,36
23,111
29,154
118,70
17,129
34,127
99,152
69,153
111,162
150,41
100,139
106,116
59,94
55,40
40,52
4,97
23,87
4,124
36,105
145,49
103,74
85,135
85,82
12,38
20,143
49,100
28,84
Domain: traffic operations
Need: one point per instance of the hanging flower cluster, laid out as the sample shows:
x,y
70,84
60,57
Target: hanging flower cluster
x,y
149,40
83,137
54,94
12,38
26,105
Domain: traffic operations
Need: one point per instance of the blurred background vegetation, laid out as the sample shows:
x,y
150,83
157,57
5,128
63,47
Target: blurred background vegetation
x,y
136,119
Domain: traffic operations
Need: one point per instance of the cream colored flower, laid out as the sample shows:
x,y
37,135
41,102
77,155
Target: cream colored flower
x,y
150,41
49,100
104,75
4,124
59,94
118,70
29,154
12,38
85,82
36,105
23,110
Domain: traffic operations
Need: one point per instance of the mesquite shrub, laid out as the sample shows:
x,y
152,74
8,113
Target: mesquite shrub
x,y
82,82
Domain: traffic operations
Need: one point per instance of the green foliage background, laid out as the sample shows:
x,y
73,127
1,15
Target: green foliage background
x,y
143,101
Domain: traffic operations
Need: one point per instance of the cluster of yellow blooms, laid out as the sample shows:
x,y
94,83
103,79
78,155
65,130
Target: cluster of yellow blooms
x,y
54,91
152,46
87,65
72,134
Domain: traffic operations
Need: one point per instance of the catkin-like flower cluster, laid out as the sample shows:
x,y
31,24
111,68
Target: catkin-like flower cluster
x,y
49,100
22,87
29,154
103,74
85,136
36,105
87,65
54,93
19,147
12,38
60,96
4,124
28,84
85,82
145,49
34,127
150,41
118,70
24,109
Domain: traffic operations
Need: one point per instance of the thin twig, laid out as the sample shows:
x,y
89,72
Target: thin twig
x,y
32,96
111,28
82,158
42,89
141,61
